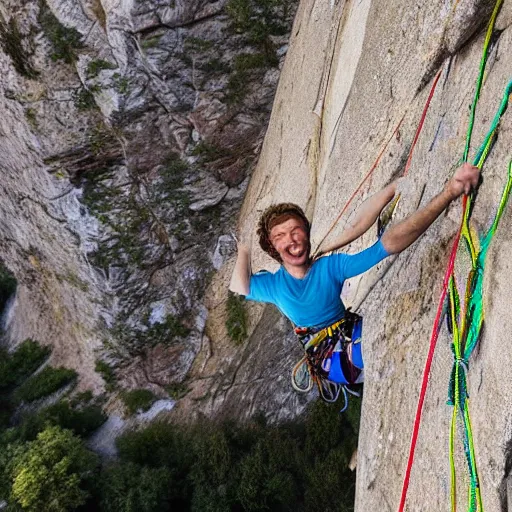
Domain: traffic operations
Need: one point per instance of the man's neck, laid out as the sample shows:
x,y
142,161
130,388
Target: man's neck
x,y
297,271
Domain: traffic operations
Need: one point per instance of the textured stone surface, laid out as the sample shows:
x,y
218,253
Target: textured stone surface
x,y
44,232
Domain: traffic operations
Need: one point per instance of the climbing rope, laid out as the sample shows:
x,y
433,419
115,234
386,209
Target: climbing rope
x,y
466,328
463,344
388,214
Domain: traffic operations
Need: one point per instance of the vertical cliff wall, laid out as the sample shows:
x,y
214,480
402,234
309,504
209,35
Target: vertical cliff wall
x,y
342,91
43,232
128,133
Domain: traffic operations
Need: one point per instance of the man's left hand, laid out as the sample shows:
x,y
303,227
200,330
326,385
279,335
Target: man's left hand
x,y
463,181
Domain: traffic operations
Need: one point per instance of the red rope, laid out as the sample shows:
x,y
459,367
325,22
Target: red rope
x,y
428,364
360,186
422,120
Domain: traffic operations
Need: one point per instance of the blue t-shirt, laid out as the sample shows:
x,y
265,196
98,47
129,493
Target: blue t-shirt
x,y
314,301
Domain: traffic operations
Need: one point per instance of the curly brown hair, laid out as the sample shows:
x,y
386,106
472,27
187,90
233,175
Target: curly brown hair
x,y
274,215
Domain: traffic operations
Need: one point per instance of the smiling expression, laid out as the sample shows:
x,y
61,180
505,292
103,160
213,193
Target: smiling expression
x,y
291,241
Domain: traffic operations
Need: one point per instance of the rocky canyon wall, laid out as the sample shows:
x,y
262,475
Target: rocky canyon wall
x,y
128,134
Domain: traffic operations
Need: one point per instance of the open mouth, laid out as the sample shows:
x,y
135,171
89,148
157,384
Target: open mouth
x,y
295,250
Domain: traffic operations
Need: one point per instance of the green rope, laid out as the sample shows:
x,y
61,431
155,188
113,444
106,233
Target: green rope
x,y
480,79
466,331
466,325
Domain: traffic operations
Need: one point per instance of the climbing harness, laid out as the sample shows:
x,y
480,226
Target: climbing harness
x,y
465,323
332,358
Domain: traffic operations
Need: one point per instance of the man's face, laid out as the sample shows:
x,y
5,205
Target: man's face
x,y
291,241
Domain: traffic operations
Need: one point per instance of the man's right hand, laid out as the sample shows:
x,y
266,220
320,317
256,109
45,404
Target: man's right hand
x,y
463,181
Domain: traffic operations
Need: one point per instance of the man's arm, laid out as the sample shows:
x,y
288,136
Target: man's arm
x,y
366,216
399,237
241,278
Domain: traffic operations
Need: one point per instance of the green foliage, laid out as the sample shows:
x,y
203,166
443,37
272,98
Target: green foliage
x,y
121,83
81,420
51,472
328,462
245,65
236,320
107,373
11,42
166,331
215,66
83,398
95,66
132,488
9,447
8,285
84,99
248,61
40,467
162,445
210,152
177,391
237,87
195,44
151,42
301,465
323,477
65,41
136,340
25,360
6,410
101,137
240,12
173,173
159,444
215,474
44,383
268,477
137,400
31,117
259,19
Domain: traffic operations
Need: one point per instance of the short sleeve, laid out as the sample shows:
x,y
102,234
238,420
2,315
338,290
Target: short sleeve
x,y
350,265
261,288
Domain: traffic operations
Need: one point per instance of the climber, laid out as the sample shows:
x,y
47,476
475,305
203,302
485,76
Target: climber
x,y
308,290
